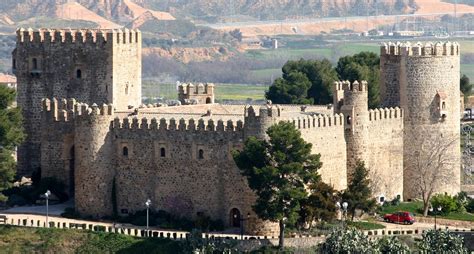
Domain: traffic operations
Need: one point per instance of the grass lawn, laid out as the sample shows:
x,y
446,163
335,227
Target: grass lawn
x,y
365,225
415,208
42,240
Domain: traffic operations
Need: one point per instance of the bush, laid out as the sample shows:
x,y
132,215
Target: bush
x,y
438,241
462,200
391,245
445,201
470,206
347,241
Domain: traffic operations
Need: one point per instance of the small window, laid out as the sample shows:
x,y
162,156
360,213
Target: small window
x,y
125,151
201,154
163,152
35,63
126,89
78,74
443,105
382,199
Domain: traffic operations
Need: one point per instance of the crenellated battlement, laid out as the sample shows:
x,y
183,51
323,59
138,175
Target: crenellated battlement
x,y
190,88
420,49
353,87
180,125
317,121
88,36
65,110
380,114
264,111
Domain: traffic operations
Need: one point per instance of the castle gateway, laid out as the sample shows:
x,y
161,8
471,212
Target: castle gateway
x,y
80,92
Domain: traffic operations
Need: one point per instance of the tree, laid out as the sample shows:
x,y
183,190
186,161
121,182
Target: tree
x,y
320,74
278,170
348,241
292,90
362,66
11,135
358,194
431,165
466,86
440,241
320,205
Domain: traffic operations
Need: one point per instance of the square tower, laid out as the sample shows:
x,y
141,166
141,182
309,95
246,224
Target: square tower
x,y
94,66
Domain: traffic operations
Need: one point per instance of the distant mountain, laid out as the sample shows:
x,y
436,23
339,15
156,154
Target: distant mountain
x,y
109,13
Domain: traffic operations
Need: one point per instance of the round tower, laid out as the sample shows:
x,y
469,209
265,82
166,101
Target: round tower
x,y
356,116
428,86
94,159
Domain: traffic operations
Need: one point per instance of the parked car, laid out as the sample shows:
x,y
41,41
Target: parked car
x,y
400,217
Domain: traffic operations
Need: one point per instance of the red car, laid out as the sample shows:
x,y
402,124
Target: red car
x,y
400,217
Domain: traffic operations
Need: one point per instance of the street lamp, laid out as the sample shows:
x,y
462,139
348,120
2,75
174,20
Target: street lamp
x,y
435,213
242,225
147,203
46,195
343,209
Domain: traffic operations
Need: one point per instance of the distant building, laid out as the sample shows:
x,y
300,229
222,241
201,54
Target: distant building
x,y
8,80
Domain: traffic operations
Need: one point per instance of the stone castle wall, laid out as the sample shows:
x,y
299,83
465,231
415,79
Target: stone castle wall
x,y
326,133
385,156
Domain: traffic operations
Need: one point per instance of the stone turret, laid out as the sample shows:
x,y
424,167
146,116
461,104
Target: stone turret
x,y
424,80
94,150
196,94
257,125
354,105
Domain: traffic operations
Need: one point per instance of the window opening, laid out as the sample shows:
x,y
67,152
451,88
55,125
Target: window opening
x,y
125,151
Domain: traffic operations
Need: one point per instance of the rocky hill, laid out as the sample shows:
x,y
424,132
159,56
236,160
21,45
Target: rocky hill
x,y
126,11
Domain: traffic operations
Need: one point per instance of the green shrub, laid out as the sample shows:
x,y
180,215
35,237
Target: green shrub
x,y
347,241
391,245
445,201
439,241
470,206
462,200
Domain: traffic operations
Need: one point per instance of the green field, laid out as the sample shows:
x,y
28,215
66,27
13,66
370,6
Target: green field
x,y
222,91
43,240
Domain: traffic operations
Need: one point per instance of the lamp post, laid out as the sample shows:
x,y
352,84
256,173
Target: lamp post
x,y
147,203
435,213
242,225
343,209
46,196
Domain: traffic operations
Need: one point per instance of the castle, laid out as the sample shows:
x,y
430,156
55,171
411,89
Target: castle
x,y
80,94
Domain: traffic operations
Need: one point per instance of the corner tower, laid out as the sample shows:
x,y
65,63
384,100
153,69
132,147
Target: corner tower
x,y
93,66
424,80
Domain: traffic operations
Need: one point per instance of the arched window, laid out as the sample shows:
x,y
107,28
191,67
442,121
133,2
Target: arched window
x,y
78,74
125,151
235,217
348,120
35,63
443,105
126,88
201,154
208,100
163,152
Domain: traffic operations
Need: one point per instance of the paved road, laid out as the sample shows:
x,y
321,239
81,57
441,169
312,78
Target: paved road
x,y
40,210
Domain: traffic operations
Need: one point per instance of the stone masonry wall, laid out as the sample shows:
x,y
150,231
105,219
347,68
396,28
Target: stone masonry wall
x,y
326,133
385,152
185,167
